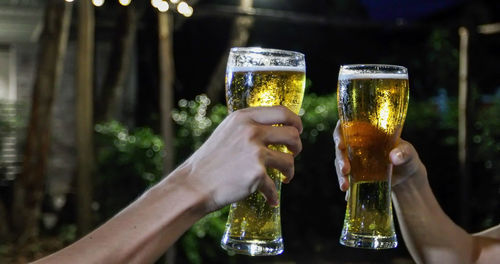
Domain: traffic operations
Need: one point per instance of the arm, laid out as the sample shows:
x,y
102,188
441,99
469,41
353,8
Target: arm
x,y
143,230
430,235
205,182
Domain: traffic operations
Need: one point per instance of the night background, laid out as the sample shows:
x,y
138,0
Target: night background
x,y
149,69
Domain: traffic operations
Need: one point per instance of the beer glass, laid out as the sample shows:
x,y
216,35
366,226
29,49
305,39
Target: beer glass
x,y
261,77
372,103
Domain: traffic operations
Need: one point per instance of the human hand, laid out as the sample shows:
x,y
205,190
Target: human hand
x,y
404,157
232,163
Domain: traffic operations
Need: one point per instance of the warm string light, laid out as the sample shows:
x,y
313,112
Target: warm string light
x,y
124,2
155,3
98,2
185,9
162,5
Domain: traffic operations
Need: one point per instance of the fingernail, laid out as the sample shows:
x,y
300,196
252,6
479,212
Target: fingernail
x,y
400,156
341,182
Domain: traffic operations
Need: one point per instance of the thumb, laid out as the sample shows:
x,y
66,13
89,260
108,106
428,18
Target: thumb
x,y
405,158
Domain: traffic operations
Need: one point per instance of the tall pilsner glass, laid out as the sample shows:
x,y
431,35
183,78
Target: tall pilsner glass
x,y
261,77
372,102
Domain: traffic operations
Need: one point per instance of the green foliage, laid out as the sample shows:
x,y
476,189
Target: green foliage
x,y
127,163
442,55
486,135
68,234
319,114
195,122
485,159
204,237
137,156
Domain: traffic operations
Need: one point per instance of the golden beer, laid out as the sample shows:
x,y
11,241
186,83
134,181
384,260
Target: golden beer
x,y
373,101
253,227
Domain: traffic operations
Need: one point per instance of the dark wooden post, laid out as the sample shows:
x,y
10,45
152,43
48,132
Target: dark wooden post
x,y
119,63
84,120
463,98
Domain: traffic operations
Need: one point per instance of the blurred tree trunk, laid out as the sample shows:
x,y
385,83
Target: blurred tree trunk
x,y
29,186
167,75
84,124
240,33
119,63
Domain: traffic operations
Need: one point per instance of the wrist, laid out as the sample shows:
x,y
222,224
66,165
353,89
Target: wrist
x,y
188,196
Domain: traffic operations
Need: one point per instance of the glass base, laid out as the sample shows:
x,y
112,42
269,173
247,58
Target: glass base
x,y
369,242
252,247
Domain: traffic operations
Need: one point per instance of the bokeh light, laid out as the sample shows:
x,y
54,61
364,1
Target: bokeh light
x,y
124,2
98,2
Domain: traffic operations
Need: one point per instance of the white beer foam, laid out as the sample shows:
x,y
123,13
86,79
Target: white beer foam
x,y
267,68
351,76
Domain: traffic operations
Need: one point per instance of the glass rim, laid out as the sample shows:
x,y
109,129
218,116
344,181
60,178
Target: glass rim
x,y
372,71
271,51
375,67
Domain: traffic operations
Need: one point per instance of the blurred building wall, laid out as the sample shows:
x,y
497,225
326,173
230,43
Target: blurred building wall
x,y
21,22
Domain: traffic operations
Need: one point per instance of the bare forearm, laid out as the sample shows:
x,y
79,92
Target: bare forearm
x,y
141,232
430,235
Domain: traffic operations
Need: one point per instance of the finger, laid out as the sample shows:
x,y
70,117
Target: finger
x,y
274,115
342,164
268,189
285,135
403,153
342,178
281,161
343,161
338,137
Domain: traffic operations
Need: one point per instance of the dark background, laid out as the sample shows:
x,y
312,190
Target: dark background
x,y
421,35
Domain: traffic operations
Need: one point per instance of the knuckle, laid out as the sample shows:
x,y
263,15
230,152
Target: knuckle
x,y
289,161
295,137
281,108
256,177
299,146
237,114
283,112
241,115
261,153
252,132
261,176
